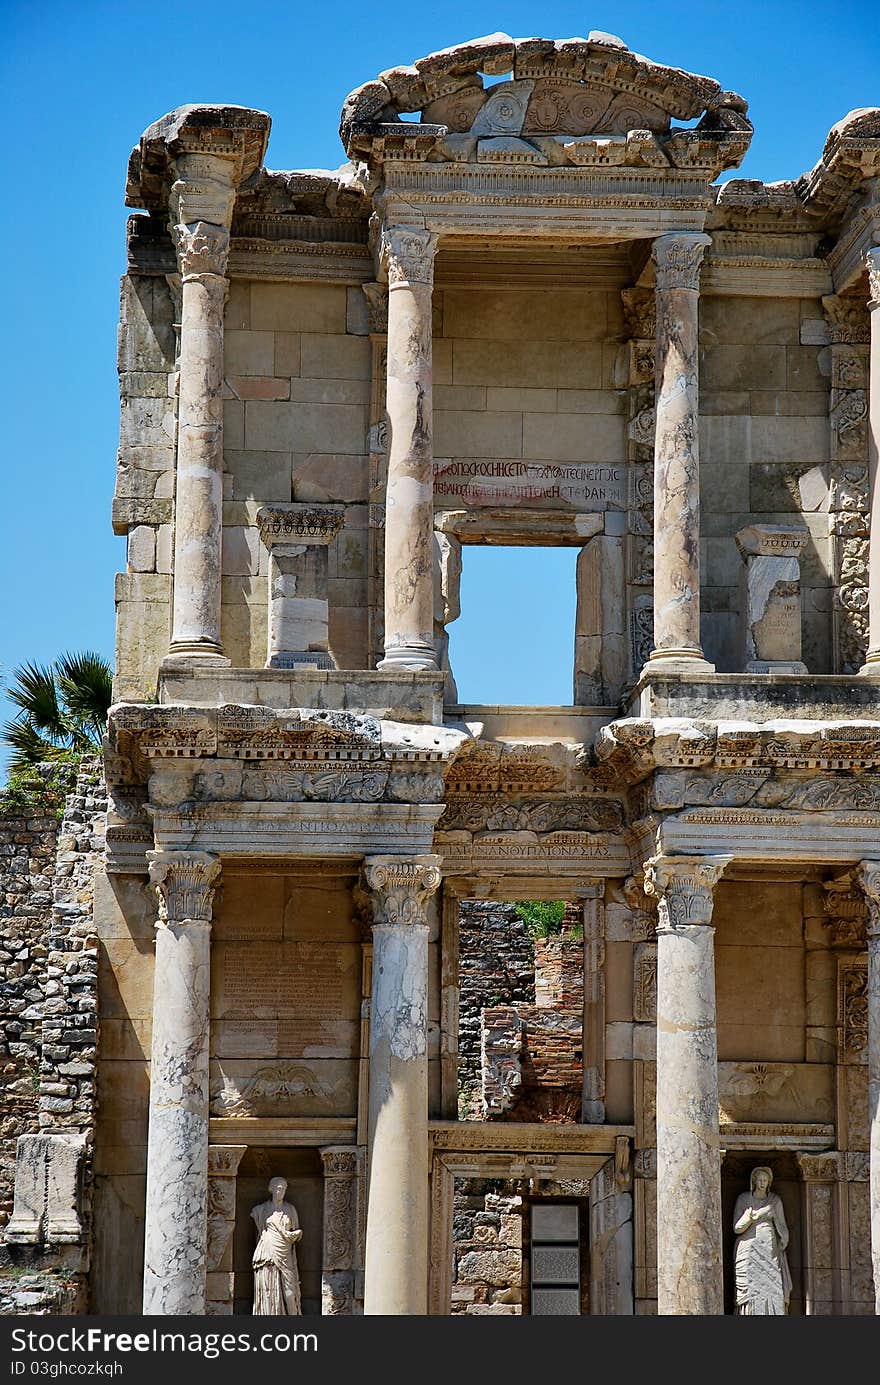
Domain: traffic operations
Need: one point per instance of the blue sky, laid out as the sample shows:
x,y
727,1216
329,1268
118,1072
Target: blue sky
x,y
80,81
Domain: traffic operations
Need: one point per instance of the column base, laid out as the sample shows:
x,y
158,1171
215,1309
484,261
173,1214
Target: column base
x,y
310,658
415,657
195,655
677,661
871,667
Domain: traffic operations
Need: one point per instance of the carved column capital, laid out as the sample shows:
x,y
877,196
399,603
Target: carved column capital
x,y
683,887
640,313
184,882
872,264
677,258
202,248
401,887
408,255
868,876
847,320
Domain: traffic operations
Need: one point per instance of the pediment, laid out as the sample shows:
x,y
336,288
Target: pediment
x,y
573,87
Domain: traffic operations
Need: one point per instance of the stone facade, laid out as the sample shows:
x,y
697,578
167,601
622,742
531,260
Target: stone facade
x,y
541,312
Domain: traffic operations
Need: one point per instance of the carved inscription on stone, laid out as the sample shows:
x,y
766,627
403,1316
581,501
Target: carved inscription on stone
x,y
302,986
533,485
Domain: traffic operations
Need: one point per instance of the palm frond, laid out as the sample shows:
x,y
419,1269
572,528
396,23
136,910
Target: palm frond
x,y
28,747
85,683
35,692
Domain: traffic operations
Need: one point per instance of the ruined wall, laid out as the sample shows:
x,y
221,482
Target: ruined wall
x,y
496,967
50,1022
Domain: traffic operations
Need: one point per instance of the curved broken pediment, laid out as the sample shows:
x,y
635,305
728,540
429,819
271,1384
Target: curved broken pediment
x,y
572,87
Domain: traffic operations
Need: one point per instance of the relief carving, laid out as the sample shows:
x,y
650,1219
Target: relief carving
x,y
853,1012
271,1091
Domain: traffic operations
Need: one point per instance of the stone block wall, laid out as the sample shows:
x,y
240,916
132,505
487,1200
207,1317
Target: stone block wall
x,y
532,376
764,455
50,1022
487,1230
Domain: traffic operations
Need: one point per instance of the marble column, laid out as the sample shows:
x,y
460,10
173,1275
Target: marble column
x,y
872,659
175,1253
396,1279
689,1269
869,879
408,253
297,537
201,212
677,648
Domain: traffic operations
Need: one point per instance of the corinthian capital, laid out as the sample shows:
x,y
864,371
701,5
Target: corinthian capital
x,y
868,876
683,887
202,248
678,258
185,883
408,253
872,264
401,886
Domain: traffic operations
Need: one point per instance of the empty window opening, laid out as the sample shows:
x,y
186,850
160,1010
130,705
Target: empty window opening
x,y
513,643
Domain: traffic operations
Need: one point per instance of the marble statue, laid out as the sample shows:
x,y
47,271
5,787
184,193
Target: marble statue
x,y
763,1280
276,1276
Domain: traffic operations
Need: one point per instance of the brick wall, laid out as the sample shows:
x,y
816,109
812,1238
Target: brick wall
x,y
496,967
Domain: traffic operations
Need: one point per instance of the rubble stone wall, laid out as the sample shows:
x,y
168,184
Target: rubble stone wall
x,y
496,967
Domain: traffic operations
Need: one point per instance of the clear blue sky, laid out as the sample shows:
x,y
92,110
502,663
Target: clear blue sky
x,y
80,81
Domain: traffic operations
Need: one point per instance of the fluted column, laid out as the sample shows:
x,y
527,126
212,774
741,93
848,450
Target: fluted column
x,y
408,253
177,1154
872,659
396,1273
676,456
869,879
201,211
689,1276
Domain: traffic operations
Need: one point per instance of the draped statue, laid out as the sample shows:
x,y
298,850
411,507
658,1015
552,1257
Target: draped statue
x,y
763,1280
276,1276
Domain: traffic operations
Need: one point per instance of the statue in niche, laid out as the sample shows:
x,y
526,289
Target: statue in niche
x,y
276,1276
763,1280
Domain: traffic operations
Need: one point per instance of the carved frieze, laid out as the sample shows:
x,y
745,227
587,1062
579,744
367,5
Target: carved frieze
x,y
645,983
277,1089
497,814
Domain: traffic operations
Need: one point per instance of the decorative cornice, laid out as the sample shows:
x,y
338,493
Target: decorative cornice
x,y
408,255
184,882
202,248
299,524
401,887
683,887
867,874
677,258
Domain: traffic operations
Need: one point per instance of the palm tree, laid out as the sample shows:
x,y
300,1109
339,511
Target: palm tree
x,y
62,709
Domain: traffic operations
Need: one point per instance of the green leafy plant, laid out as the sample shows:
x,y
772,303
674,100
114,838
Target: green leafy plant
x,y
39,791
542,918
62,709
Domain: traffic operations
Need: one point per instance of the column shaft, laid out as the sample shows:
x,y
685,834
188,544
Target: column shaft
x,y
689,1269
676,455
872,661
396,1272
409,505
198,504
177,1155
869,876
